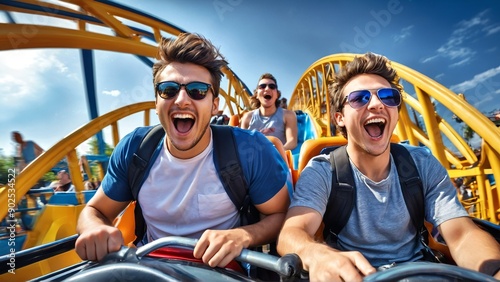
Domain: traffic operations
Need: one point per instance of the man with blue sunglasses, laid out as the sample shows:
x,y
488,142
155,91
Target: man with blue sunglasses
x,y
365,99
181,193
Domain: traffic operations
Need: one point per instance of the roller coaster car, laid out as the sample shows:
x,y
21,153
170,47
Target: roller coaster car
x,y
165,260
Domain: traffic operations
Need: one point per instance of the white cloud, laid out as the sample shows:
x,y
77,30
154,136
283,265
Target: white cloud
x,y
15,88
439,76
24,74
479,19
405,32
492,29
478,79
475,141
426,60
466,31
113,93
21,60
455,52
462,62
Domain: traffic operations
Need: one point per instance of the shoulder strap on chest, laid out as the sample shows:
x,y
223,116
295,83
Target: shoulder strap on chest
x,y
342,196
136,170
411,184
142,156
226,160
227,164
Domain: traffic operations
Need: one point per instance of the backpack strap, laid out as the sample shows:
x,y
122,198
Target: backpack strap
x,y
228,166
411,184
413,193
142,156
136,170
342,196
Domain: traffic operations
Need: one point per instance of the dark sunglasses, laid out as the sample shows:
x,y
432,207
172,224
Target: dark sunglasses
x,y
271,86
169,89
390,97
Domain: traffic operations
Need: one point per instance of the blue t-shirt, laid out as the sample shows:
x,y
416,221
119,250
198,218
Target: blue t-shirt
x,y
28,152
264,169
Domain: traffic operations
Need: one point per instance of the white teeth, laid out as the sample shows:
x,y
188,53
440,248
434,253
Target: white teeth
x,y
183,116
375,120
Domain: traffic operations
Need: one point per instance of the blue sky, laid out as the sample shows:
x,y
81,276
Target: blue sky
x,y
454,42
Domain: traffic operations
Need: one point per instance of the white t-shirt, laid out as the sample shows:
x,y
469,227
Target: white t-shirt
x,y
192,200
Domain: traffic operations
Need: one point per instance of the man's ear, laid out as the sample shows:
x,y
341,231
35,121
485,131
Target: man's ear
x,y
339,119
215,106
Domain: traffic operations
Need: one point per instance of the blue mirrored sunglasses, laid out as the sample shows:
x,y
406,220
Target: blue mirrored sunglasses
x,y
390,97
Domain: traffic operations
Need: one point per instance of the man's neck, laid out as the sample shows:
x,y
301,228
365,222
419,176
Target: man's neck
x,y
375,168
267,111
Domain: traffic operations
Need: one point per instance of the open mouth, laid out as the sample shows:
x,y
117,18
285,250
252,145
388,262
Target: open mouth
x,y
267,97
183,122
375,127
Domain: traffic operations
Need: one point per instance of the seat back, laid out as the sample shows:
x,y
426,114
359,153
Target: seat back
x,y
306,131
234,120
314,147
286,155
69,198
126,223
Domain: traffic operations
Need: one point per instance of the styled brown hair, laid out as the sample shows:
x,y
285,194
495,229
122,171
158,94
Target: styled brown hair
x,y
191,48
254,102
369,63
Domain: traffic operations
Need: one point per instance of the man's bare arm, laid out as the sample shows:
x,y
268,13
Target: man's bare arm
x,y
470,246
321,261
98,236
245,120
291,130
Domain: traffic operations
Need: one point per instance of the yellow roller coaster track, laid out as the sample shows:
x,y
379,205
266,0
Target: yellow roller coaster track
x,y
310,96
421,95
99,26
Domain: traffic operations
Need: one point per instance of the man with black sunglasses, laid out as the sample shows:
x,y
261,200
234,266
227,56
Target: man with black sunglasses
x,y
365,99
269,117
181,193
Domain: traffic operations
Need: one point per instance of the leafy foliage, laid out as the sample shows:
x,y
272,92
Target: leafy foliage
x,y
6,163
94,148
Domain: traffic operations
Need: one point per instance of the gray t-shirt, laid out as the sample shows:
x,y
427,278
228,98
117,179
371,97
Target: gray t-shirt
x,y
380,226
274,123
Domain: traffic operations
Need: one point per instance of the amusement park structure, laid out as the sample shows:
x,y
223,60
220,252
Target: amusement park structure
x,y
420,123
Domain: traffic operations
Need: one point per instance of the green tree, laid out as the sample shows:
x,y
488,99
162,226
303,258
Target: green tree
x,y
6,163
94,149
468,133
